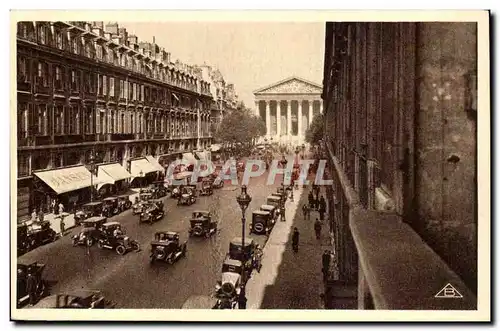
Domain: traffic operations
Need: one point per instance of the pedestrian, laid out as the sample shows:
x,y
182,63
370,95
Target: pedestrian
x,y
40,216
295,240
242,300
31,287
326,259
322,208
62,225
61,208
305,211
33,216
53,206
310,198
56,209
317,228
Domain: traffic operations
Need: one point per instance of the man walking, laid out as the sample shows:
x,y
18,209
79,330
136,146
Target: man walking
x,y
295,240
62,225
40,216
306,211
31,287
326,259
310,198
322,208
317,229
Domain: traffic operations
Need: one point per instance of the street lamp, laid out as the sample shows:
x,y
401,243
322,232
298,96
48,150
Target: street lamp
x,y
283,197
91,163
244,201
141,179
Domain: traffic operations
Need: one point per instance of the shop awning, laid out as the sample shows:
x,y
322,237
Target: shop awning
x,y
110,173
68,179
155,163
215,147
141,167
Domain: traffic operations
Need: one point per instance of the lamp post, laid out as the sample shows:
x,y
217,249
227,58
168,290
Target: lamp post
x,y
141,179
91,163
283,198
244,201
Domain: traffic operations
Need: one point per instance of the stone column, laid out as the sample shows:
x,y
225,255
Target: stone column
x,y
321,107
289,118
278,119
268,118
310,118
257,110
299,118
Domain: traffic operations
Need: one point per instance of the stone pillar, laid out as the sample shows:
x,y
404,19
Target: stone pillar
x,y
310,117
257,110
299,118
278,119
321,107
268,118
289,118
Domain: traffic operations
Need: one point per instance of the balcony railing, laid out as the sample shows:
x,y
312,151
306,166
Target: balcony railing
x,y
396,268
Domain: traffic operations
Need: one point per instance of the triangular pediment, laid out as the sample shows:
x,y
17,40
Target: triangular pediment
x,y
292,85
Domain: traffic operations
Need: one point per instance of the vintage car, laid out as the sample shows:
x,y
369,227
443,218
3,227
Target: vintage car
x,y
88,210
120,243
22,239
250,254
124,203
110,206
158,189
167,247
79,299
202,224
273,210
90,232
200,302
283,194
262,222
39,233
179,180
206,187
187,196
218,182
24,268
275,201
228,289
153,211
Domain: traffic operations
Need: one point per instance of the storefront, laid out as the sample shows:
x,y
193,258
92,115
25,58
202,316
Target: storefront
x,y
71,186
114,178
154,162
143,172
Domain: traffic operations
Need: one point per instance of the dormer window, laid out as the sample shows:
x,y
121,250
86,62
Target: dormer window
x,y
74,46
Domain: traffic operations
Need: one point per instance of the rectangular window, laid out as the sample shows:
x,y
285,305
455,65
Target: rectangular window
x,y
104,85
22,69
99,85
75,80
58,82
111,86
58,120
142,93
130,91
122,88
22,120
98,49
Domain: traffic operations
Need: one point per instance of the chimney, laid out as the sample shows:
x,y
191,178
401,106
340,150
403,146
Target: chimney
x,y
99,25
112,28
123,34
88,27
98,31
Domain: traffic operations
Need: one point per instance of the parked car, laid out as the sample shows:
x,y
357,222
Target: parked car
x,y
79,299
227,290
206,187
152,211
250,254
110,206
158,189
39,233
275,201
90,232
22,239
262,222
202,224
24,269
121,243
124,202
187,196
167,247
272,210
88,210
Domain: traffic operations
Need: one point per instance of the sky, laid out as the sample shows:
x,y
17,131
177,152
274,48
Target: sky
x,y
249,55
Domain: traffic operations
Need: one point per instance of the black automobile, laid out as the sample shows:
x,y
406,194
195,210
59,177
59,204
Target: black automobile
x,y
275,201
283,194
153,211
206,187
124,203
187,195
167,247
89,233
39,233
88,210
22,239
262,222
110,206
78,299
202,224
24,269
273,210
227,290
113,237
158,189
250,253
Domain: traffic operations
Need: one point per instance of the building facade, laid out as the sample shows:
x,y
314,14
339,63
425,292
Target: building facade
x,y
89,92
400,138
288,107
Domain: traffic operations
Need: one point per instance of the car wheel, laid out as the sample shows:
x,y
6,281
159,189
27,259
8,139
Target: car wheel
x,y
100,244
120,249
75,242
135,246
90,242
259,228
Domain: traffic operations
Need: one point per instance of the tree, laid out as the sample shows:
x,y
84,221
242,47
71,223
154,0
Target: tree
x,y
240,126
315,131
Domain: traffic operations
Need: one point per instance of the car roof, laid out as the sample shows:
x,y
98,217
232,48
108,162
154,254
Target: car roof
x,y
238,241
274,197
267,207
260,212
231,261
93,203
110,198
167,232
94,219
201,211
111,223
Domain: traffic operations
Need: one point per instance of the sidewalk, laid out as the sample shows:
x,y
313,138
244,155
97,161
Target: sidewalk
x,y
291,280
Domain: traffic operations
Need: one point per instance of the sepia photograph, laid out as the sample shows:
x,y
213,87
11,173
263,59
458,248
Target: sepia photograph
x,y
310,166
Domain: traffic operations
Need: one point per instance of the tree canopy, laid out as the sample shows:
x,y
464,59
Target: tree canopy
x,y
315,131
240,126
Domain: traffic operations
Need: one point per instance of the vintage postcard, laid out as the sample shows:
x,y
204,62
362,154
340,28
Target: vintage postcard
x,y
313,166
